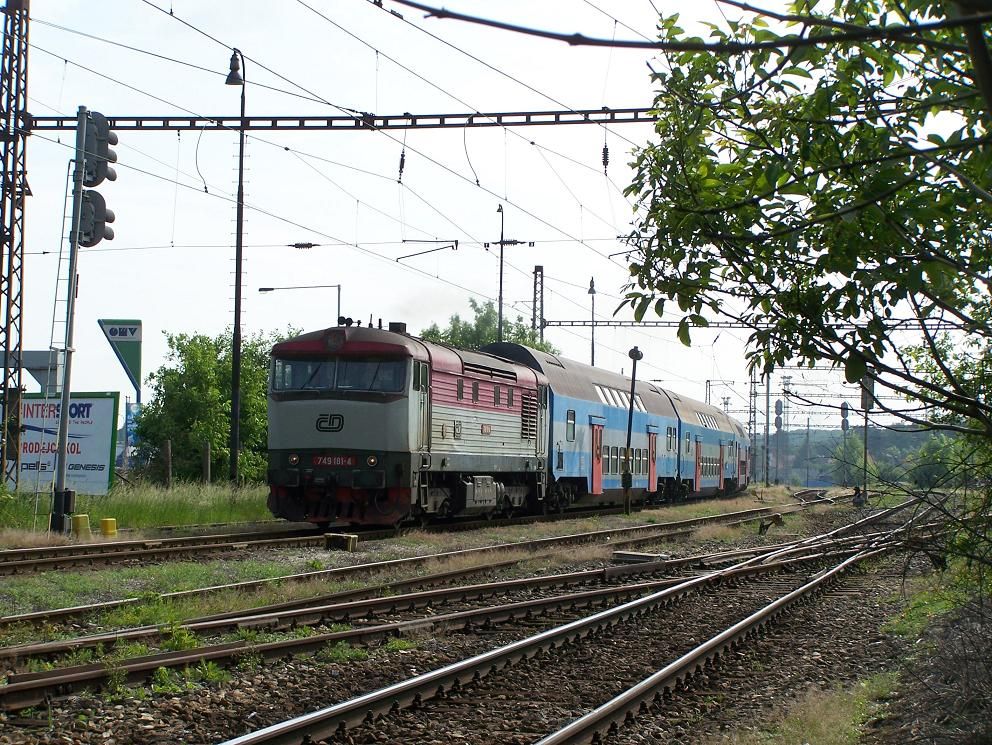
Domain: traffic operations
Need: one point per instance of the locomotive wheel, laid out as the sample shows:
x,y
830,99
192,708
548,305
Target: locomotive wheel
x,y
506,509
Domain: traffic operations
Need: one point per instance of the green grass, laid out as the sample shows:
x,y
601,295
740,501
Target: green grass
x,y
342,652
399,645
928,600
21,594
147,506
825,717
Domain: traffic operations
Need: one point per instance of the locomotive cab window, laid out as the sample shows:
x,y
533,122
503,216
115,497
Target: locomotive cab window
x,y
495,395
570,425
509,397
460,389
302,375
475,392
421,376
387,376
340,374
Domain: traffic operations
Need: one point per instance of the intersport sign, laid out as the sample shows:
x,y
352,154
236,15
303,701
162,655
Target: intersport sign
x,y
91,445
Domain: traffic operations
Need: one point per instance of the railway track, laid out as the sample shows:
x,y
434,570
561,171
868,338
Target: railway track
x,y
631,537
38,559
26,560
32,688
616,585
359,606
543,685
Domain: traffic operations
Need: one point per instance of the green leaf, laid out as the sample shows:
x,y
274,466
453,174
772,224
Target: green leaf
x,y
855,368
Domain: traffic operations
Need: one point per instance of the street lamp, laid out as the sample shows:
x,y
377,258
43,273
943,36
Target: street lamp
x,y
309,287
234,77
592,292
499,327
627,479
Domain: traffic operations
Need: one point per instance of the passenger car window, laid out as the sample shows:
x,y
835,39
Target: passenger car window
x,y
570,425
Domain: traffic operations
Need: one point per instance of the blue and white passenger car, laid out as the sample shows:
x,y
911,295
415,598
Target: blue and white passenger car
x,y
680,447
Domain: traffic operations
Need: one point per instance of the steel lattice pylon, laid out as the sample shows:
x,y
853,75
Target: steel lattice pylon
x,y
13,110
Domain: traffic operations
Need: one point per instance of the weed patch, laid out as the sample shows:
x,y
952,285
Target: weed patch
x,y
342,652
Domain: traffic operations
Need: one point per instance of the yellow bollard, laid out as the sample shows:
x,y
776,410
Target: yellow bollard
x,y
108,527
81,526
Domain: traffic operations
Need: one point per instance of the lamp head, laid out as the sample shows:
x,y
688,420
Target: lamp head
x,y
592,286
234,76
500,208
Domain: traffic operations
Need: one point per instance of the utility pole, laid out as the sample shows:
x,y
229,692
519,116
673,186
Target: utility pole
x,y
768,423
627,478
537,309
502,243
56,522
786,389
592,336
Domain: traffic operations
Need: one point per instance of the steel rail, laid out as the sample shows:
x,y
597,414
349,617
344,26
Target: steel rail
x,y
153,551
345,606
605,720
29,689
13,561
337,718
614,536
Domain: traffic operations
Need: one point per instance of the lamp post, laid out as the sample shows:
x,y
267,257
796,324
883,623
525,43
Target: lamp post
x,y
499,326
627,479
234,77
592,294
309,287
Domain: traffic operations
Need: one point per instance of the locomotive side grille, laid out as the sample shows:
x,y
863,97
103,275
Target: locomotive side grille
x,y
528,416
490,372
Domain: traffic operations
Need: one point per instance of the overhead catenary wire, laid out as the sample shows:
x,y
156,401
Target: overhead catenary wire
x,y
352,112
317,98
583,242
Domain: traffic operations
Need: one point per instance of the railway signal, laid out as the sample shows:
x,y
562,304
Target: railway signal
x,y
844,410
97,155
93,219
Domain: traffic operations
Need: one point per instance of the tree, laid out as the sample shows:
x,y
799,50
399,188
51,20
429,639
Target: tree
x,y
484,330
834,196
191,405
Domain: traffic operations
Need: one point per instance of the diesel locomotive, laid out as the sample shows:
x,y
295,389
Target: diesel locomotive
x,y
377,427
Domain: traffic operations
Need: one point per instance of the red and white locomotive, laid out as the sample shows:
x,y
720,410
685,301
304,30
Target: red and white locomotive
x,y
373,427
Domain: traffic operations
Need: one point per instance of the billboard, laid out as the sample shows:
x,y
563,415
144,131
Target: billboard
x,y
91,445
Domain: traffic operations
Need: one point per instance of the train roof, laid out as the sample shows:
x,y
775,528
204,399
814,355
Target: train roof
x,y
352,341
356,341
576,379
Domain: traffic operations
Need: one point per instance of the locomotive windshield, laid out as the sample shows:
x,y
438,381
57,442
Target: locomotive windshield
x,y
339,374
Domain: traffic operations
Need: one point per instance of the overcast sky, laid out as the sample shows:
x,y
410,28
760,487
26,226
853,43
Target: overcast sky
x,y
171,263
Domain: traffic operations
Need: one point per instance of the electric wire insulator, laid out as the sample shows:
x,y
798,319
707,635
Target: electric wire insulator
x,y
606,157
402,164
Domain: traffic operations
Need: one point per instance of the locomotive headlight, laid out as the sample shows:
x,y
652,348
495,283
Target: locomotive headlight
x,y
294,459
372,461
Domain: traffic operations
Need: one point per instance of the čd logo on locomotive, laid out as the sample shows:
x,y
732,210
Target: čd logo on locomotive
x,y
330,423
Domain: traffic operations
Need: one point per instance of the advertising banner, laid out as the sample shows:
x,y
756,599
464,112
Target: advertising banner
x,y
131,423
91,446
125,339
